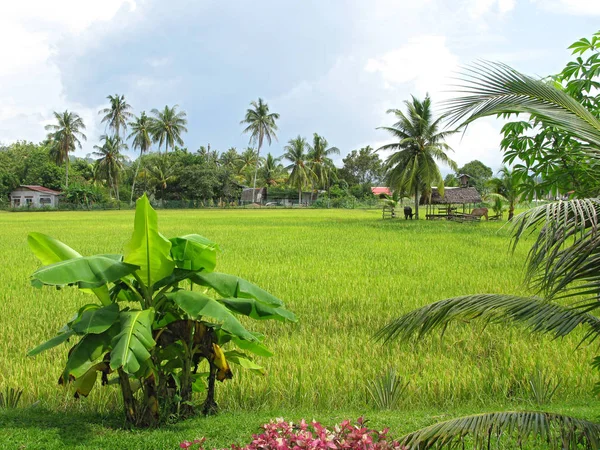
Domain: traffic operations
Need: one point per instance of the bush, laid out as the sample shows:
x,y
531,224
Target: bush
x,y
281,435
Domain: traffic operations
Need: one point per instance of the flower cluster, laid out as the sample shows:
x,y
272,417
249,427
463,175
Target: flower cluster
x,y
281,435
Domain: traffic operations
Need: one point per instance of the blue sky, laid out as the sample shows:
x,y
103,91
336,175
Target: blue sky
x,y
332,67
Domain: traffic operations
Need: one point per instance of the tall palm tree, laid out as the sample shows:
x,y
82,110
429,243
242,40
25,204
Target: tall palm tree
x,y
110,161
320,162
117,115
64,137
168,125
301,175
420,143
507,185
261,126
161,172
141,131
272,172
245,163
561,265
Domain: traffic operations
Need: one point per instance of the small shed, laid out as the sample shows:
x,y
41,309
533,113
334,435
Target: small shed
x,y
464,179
381,191
33,196
465,196
260,195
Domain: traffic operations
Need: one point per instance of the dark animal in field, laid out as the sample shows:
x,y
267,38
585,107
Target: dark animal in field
x,y
480,212
408,212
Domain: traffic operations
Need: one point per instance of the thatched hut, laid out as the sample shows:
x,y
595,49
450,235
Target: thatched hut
x,y
438,205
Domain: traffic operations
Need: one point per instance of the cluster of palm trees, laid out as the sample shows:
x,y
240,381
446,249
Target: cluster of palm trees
x,y
163,127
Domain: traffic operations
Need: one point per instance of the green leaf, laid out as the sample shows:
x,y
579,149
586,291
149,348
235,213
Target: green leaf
x,y
257,310
85,272
196,305
97,320
255,347
242,360
88,351
230,286
49,250
131,345
56,340
148,249
194,252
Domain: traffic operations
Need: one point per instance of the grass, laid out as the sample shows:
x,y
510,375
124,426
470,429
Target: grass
x,y
344,274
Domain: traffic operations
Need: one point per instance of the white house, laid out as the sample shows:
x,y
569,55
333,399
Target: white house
x,y
34,197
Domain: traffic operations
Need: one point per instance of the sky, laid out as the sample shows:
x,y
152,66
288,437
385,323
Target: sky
x,y
328,66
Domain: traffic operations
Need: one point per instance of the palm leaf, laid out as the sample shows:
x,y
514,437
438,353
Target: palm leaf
x,y
534,313
552,430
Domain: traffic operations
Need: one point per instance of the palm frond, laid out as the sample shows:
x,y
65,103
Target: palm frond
x,y
495,88
534,313
481,430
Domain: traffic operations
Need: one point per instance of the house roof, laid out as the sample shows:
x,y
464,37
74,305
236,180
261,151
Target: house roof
x,y
247,194
454,195
381,190
41,189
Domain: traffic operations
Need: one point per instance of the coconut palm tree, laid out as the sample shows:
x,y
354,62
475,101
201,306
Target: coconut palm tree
x,y
117,115
320,162
64,137
229,158
110,161
261,126
420,144
141,130
272,171
507,185
168,125
562,265
301,175
161,171
245,164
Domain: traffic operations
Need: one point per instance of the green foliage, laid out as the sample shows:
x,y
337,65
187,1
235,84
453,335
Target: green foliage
x,y
10,398
480,175
159,336
362,166
542,386
387,391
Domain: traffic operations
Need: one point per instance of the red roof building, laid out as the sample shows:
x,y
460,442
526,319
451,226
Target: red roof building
x,y
33,196
381,190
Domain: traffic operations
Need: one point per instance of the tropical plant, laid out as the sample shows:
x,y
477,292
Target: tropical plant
x,y
420,143
160,172
229,158
168,125
387,391
320,163
508,186
300,173
244,165
117,115
109,164
561,265
10,398
141,132
272,172
261,126
64,137
160,311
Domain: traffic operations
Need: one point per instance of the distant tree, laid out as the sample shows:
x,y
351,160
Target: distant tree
x,y
451,180
110,161
229,158
64,137
261,125
245,164
362,166
320,163
508,185
272,172
117,115
413,167
300,173
168,125
161,171
480,174
141,132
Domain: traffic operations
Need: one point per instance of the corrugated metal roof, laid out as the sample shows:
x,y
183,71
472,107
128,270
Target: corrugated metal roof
x,y
41,189
381,190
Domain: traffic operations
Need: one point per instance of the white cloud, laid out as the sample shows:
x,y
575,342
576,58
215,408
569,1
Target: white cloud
x,y
30,82
479,8
480,141
574,7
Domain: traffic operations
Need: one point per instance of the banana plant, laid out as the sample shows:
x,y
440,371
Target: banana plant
x,y
160,312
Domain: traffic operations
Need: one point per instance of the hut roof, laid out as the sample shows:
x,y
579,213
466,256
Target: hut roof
x,y
247,194
42,189
454,195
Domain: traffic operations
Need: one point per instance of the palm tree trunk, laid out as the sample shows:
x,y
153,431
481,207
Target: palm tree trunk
x,y
299,196
417,201
67,172
256,172
137,169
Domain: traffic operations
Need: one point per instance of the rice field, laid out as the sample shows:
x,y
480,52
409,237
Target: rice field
x,y
344,273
